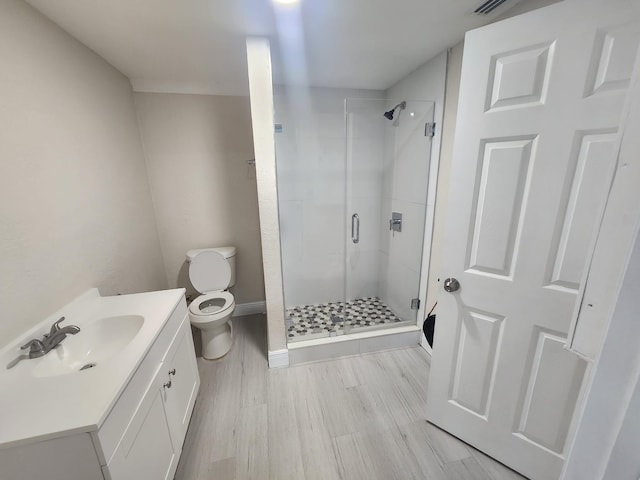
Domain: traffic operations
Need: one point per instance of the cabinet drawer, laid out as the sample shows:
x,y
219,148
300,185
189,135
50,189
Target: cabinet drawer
x,y
112,430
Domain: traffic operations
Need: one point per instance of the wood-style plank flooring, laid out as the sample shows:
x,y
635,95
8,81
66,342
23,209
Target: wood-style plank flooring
x,y
351,418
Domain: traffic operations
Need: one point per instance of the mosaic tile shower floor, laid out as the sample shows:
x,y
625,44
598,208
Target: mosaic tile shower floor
x,y
314,321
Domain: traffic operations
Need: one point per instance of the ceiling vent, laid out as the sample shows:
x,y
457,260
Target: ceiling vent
x,y
487,7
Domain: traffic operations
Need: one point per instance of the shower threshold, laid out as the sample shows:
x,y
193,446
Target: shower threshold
x,y
332,319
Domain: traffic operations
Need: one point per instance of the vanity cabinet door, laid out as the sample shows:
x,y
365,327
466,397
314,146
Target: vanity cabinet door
x,y
146,450
182,370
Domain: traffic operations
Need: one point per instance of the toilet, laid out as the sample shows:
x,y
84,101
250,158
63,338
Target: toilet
x,y
212,271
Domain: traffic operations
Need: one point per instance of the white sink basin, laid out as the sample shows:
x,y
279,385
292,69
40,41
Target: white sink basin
x,y
97,341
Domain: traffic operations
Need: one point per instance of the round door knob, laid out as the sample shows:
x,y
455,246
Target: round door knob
x,y
451,285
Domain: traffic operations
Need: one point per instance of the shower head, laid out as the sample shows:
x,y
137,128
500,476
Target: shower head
x,y
389,115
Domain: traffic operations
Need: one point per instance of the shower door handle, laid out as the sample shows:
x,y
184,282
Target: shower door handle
x,y
355,228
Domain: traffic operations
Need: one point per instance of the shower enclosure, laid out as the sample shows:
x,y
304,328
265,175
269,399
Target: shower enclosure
x,y
352,172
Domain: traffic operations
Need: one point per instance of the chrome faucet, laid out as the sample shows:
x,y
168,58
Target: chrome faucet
x,y
38,348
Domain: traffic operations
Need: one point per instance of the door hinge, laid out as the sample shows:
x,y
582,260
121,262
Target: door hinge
x,y
415,303
429,129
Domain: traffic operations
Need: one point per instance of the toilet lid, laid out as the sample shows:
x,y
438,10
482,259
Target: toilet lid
x,y
209,272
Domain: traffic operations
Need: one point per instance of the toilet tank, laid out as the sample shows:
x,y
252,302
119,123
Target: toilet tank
x,y
230,254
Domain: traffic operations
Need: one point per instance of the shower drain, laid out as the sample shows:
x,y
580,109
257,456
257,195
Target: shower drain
x,y
87,366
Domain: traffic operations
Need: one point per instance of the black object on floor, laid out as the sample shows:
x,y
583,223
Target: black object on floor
x,y
429,326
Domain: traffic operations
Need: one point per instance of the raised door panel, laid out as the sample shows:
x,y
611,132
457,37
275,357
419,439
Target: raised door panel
x,y
519,78
149,453
499,198
591,171
554,380
476,358
614,54
180,368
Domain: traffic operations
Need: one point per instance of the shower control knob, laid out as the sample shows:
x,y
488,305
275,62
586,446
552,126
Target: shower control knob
x,y
451,285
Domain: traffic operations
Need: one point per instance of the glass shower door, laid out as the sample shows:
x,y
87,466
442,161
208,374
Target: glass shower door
x,y
309,138
388,146
352,179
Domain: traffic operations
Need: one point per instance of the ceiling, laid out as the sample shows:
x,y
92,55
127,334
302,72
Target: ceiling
x,y
198,46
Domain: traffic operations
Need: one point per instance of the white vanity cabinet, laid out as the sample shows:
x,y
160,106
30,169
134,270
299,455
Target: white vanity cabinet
x,y
142,434
151,442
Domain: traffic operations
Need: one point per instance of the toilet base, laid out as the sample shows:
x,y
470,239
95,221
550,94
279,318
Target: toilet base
x,y
217,341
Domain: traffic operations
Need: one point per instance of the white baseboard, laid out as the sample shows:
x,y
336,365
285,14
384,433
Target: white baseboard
x,y
253,308
354,344
279,358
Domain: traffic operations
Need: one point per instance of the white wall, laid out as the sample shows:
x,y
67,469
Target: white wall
x,y
524,7
204,192
624,461
261,94
454,67
75,207
311,190
607,439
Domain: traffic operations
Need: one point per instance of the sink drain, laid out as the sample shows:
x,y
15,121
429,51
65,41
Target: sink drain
x,y
87,366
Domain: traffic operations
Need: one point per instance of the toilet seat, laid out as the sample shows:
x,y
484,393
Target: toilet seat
x,y
203,312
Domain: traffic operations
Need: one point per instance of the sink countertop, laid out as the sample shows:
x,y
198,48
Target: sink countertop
x,y
39,408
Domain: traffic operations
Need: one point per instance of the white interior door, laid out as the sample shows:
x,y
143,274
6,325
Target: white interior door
x,y
540,102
